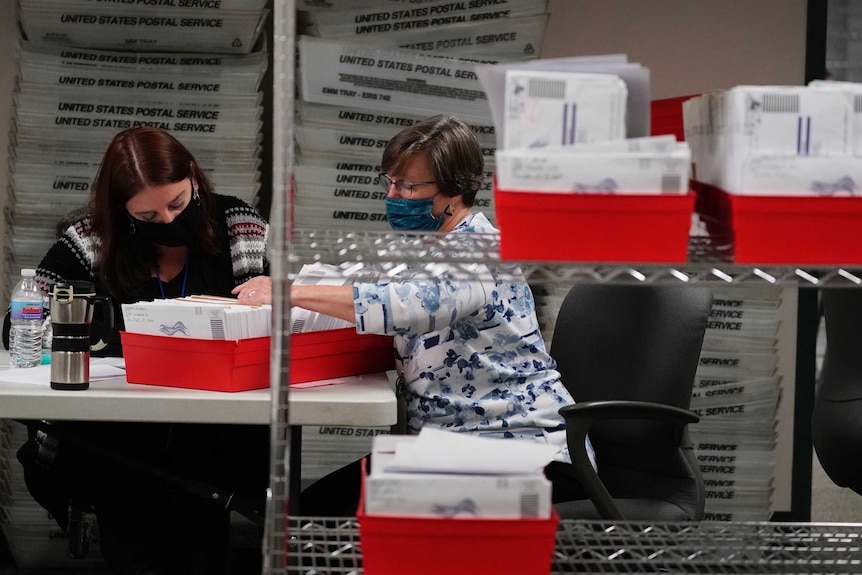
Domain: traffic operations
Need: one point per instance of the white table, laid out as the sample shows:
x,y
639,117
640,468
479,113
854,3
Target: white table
x,y
362,401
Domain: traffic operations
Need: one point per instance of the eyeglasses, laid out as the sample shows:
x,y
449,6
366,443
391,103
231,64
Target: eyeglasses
x,y
401,186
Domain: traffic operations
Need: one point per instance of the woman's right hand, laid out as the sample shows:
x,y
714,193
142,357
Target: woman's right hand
x,y
257,290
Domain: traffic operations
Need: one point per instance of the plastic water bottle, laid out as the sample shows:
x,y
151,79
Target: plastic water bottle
x,y
25,337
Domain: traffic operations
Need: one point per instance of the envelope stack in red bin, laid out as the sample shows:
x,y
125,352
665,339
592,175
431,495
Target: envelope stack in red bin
x,y
779,170
480,497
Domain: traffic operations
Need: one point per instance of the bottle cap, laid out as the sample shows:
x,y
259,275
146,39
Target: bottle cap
x,y
28,272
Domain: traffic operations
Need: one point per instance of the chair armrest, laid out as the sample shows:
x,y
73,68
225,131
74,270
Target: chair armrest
x,y
581,416
592,411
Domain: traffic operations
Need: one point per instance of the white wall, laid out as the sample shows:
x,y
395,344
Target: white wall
x,y
690,46
8,36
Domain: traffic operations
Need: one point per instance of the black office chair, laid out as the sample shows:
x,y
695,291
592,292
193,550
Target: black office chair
x,y
628,355
836,422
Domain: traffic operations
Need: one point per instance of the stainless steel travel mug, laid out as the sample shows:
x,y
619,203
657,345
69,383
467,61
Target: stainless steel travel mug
x,y
71,316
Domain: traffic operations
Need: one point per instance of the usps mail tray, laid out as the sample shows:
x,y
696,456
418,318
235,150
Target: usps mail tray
x,y
776,229
398,545
553,226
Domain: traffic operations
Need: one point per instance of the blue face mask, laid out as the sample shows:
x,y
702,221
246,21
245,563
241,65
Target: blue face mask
x,y
404,214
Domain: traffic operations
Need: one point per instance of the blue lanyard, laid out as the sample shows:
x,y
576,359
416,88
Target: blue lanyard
x,y
185,276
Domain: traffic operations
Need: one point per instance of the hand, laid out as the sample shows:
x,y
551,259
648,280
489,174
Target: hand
x,y
257,290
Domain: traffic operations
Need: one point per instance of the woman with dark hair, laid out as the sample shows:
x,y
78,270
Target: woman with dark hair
x,y
154,229
469,353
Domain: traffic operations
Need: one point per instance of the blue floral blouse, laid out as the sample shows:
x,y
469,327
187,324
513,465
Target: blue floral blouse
x,y
470,352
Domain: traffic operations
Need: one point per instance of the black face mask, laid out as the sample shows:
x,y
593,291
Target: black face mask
x,y
180,232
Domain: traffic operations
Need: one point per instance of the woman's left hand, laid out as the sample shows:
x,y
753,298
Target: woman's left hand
x,y
257,290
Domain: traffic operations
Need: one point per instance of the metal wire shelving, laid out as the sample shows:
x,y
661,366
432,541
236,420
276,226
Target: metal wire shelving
x,y
326,546
390,253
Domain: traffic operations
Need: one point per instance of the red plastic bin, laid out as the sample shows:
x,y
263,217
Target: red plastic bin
x,y
227,365
216,365
771,229
539,226
333,353
415,545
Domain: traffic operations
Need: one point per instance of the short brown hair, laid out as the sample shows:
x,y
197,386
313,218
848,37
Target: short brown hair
x,y
452,148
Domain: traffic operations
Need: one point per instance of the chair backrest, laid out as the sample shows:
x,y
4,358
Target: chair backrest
x,y
836,420
637,343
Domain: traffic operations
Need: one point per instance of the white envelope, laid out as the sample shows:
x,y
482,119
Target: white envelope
x,y
192,318
827,176
611,173
439,451
635,76
449,494
853,92
733,132
457,495
659,144
562,109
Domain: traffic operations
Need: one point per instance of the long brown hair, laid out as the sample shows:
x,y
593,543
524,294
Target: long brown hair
x,y
139,158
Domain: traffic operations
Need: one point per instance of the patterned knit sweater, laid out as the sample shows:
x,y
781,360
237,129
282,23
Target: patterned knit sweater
x,y
238,226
